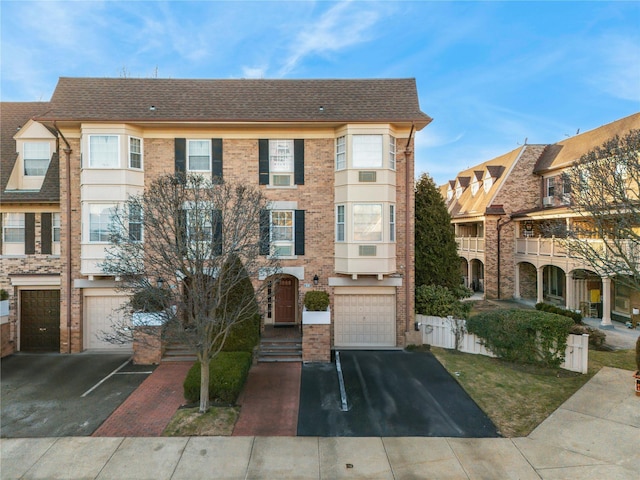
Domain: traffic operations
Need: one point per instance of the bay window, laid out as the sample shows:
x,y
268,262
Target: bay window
x,y
367,151
367,222
340,233
100,220
103,151
135,152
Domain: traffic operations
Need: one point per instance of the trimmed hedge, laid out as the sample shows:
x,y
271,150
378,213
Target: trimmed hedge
x,y
316,300
243,336
547,307
523,336
439,301
227,374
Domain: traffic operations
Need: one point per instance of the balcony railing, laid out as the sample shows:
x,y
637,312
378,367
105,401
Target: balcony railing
x,y
470,244
548,247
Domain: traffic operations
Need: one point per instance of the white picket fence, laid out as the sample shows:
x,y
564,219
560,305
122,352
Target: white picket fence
x,y
438,331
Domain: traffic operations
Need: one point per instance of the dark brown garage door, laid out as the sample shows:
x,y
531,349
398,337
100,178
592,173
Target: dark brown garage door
x,y
40,320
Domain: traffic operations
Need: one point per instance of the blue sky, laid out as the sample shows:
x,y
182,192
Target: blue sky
x,y
491,74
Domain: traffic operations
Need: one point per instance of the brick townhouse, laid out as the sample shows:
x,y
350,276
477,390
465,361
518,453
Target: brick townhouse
x,y
334,158
502,210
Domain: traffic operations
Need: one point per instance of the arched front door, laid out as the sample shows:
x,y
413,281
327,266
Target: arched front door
x,y
285,304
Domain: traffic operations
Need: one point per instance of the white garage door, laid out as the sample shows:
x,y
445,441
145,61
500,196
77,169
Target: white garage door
x,y
365,320
100,313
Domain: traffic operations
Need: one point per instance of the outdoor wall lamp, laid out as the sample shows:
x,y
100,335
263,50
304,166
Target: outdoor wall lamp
x,y
160,282
316,280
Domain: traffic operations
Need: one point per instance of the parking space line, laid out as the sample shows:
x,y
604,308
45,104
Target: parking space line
x,y
105,378
343,392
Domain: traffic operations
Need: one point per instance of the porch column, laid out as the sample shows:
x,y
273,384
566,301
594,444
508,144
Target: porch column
x,y
469,273
539,275
606,303
516,282
569,288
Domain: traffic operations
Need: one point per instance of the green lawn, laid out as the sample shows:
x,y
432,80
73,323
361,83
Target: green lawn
x,y
518,398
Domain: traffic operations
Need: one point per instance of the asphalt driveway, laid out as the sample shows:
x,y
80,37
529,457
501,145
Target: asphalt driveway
x,y
388,394
54,395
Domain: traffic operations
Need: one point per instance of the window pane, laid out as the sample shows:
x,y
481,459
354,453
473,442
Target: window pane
x,y
199,155
340,223
367,223
367,151
341,153
135,223
135,152
36,158
392,153
392,223
100,217
13,227
281,155
282,226
56,227
103,151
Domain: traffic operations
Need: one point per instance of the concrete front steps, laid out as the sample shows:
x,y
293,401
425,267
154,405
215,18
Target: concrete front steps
x,y
178,353
280,350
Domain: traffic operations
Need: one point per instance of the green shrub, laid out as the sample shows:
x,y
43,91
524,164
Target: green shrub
x,y
150,299
227,374
316,300
547,307
243,336
4,295
523,336
439,301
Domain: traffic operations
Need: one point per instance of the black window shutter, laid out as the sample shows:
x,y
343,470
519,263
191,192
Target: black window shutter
x,y
45,233
298,162
299,240
216,227
216,160
181,155
29,233
263,162
265,230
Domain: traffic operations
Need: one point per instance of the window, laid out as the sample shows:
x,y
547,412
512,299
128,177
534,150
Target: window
x,y
367,151
367,222
199,227
392,223
392,152
622,298
449,193
13,229
36,158
551,186
135,152
135,223
341,153
100,218
475,186
55,220
199,155
103,151
281,162
488,183
340,223
282,233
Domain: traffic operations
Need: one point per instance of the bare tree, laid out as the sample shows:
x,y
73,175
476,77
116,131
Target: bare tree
x,y
185,247
605,193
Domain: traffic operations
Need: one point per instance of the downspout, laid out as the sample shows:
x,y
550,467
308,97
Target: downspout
x,y
408,156
67,154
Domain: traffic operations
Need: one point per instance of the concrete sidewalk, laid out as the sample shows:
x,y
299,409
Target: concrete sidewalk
x,y
594,435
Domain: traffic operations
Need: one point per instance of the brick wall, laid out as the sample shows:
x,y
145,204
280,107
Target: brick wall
x,y
528,281
316,343
7,343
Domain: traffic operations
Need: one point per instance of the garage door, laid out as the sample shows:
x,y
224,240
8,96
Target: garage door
x,y
365,320
101,312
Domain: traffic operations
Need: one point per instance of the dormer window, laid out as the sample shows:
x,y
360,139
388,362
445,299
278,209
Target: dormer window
x,y
475,186
488,183
36,158
449,193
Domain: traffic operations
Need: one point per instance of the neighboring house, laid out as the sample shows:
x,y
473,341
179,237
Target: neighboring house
x,y
30,224
511,237
334,157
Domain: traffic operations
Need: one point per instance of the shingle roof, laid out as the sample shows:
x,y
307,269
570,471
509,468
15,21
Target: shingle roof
x,y
563,154
13,115
130,99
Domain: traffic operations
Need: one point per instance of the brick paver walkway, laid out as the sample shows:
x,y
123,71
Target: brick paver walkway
x,y
270,401
149,408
